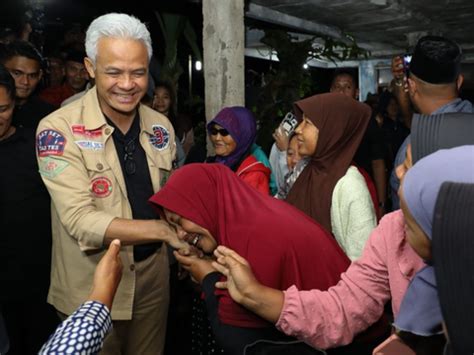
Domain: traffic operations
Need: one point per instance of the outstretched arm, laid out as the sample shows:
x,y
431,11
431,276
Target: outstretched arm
x,y
244,288
400,90
94,314
323,319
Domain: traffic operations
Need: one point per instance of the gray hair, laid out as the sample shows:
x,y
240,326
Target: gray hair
x,y
117,26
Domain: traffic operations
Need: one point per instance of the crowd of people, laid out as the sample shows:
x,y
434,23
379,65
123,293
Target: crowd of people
x,y
354,234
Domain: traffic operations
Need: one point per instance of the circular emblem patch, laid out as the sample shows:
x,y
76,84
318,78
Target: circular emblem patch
x,y
160,138
101,187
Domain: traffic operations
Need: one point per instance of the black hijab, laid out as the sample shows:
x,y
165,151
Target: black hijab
x,y
434,132
453,246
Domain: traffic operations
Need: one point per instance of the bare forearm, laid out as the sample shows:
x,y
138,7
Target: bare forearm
x,y
405,104
106,298
132,232
266,302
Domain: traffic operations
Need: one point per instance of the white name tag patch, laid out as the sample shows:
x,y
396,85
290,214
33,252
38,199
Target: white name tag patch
x,y
90,145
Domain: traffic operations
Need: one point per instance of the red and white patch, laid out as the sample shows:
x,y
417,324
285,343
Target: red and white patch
x,y
101,187
78,129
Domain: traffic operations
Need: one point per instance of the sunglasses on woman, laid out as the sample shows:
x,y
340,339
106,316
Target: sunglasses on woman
x,y
215,131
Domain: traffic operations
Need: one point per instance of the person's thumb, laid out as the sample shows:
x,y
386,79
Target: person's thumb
x,y
114,249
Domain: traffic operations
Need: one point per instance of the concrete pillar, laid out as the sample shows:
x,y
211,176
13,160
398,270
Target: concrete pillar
x,y
224,45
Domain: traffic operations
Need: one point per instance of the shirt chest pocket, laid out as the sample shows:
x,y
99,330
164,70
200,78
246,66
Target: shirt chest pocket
x,y
160,166
102,183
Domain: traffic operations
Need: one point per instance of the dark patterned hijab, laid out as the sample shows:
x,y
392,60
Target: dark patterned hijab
x,y
430,133
453,245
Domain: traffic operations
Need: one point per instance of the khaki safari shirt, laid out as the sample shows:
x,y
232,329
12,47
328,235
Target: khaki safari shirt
x,y
80,167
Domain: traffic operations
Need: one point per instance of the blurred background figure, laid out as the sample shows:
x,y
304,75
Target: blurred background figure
x,y
164,101
388,116
56,71
25,224
25,65
75,81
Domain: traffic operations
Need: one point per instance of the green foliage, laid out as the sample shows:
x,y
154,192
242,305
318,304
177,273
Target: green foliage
x,y
288,81
173,27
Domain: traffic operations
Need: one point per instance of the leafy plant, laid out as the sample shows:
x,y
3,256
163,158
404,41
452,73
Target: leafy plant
x,y
173,28
288,81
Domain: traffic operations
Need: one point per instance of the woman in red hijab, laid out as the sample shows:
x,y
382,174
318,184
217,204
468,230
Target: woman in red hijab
x,y
209,206
329,189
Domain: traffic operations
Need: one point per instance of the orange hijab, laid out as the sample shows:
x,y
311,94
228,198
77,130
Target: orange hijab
x,y
342,122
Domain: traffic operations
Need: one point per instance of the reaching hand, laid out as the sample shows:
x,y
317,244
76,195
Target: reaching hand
x,y
240,279
191,250
171,237
397,68
198,267
281,139
107,276
398,72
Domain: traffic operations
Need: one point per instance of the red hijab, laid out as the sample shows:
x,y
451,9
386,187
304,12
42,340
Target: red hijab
x,y
283,246
342,122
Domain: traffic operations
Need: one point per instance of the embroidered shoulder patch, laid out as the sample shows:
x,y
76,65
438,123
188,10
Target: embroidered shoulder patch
x,y
161,137
101,187
50,142
52,167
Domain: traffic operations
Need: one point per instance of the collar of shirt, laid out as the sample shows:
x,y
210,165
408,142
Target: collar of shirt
x,y
132,133
94,118
457,105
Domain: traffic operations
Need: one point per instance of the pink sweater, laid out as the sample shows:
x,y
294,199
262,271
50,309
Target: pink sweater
x,y
332,318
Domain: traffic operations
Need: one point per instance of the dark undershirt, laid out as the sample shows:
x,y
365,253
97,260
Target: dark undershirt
x,y
139,185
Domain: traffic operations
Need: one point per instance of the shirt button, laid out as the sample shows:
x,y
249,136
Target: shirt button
x,y
132,267
107,131
99,166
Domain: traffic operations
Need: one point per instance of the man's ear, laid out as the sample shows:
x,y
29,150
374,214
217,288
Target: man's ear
x,y
357,93
89,67
459,81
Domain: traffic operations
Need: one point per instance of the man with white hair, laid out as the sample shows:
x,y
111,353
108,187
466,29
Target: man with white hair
x,y
101,158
